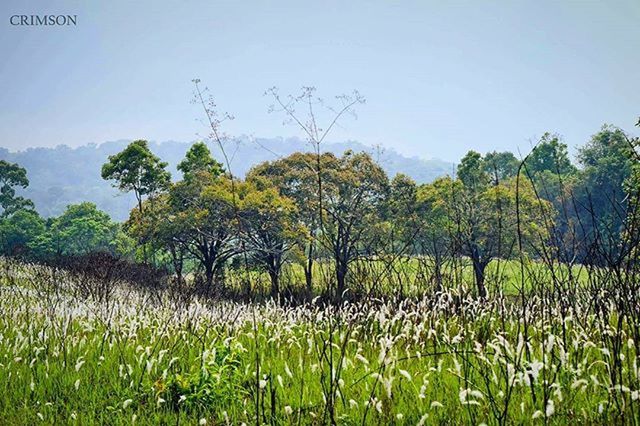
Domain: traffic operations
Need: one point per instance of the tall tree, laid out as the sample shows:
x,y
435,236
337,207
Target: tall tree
x,y
354,200
136,169
486,219
296,178
607,162
501,165
402,212
12,176
202,214
550,155
269,227
435,232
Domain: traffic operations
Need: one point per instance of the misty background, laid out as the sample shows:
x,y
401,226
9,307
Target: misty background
x,y
440,78
63,175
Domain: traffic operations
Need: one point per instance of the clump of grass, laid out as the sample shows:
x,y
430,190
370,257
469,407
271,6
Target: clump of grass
x,y
216,382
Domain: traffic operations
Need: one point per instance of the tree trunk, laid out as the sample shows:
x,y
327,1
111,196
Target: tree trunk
x,y
437,272
275,282
208,273
178,263
144,245
478,273
308,269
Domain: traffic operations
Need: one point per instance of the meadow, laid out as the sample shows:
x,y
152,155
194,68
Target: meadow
x,y
73,352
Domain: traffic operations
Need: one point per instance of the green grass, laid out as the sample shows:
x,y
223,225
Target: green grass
x,y
68,360
411,276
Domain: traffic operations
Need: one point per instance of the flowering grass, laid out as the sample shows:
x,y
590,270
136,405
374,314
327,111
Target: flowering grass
x,y
133,356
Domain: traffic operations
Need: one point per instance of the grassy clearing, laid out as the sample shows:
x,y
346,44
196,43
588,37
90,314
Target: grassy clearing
x,y
134,357
381,277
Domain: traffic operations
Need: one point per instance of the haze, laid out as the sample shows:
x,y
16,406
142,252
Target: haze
x,y
440,78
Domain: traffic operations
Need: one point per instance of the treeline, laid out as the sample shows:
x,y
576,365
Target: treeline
x,y
54,185
325,215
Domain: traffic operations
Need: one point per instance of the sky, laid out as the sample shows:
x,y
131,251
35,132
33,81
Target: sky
x,y
439,78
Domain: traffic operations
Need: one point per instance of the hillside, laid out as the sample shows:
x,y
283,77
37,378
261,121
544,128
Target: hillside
x,y
62,175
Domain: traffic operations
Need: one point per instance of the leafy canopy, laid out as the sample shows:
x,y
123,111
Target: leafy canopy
x,y
12,176
137,169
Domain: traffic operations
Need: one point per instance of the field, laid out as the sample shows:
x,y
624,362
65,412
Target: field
x,y
74,353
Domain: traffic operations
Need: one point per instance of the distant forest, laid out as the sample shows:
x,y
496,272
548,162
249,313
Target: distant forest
x,y
62,175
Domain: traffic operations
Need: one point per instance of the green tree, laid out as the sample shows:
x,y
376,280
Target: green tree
x,y
472,171
486,220
550,155
354,199
435,232
198,216
269,227
161,228
136,169
297,178
198,160
12,176
19,231
81,229
402,212
602,199
501,165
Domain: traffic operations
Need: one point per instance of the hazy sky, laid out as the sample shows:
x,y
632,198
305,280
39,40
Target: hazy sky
x,y
440,78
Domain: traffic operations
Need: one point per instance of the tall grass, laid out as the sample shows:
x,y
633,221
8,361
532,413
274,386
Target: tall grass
x,y
67,357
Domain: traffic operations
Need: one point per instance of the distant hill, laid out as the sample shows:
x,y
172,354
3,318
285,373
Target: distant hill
x,y
62,175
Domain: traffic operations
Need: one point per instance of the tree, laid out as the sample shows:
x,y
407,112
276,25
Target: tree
x,y
402,212
137,170
19,231
472,171
486,219
354,199
80,230
210,220
607,162
549,155
12,176
200,215
199,160
435,233
501,165
269,227
296,178
550,170
161,228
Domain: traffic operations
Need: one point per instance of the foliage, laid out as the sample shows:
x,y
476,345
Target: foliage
x,y
136,169
12,176
199,160
269,228
216,382
550,155
81,229
20,231
54,184
492,218
297,177
501,165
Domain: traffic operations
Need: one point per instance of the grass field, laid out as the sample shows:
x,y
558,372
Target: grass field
x,y
415,275
125,356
